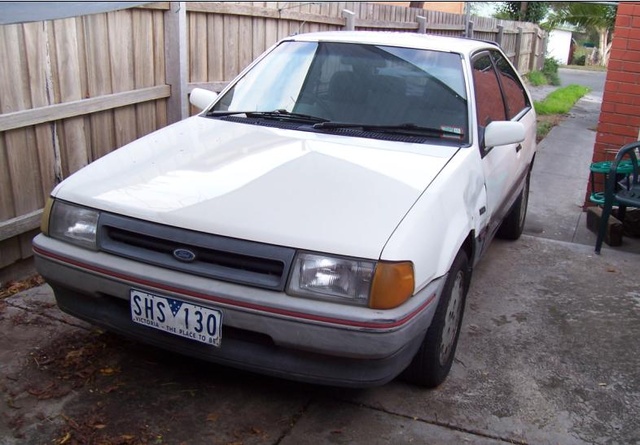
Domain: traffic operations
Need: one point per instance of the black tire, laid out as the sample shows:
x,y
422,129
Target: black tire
x,y
513,225
432,362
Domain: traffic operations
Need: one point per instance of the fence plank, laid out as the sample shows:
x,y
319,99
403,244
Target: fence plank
x,y
159,65
216,86
19,145
6,196
9,252
271,32
21,224
143,64
271,10
215,54
24,241
230,59
245,45
121,36
197,47
70,109
39,72
74,145
102,132
259,40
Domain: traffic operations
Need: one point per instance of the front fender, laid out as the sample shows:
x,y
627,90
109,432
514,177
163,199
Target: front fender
x,y
433,231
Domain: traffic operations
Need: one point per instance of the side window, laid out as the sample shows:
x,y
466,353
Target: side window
x,y
513,90
487,89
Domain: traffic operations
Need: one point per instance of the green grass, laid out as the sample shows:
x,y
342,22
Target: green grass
x,y
537,78
561,100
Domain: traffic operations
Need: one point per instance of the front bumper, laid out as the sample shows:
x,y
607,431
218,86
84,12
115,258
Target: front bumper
x,y
263,331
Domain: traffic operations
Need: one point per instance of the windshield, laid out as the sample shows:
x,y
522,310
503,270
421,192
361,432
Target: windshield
x,y
352,83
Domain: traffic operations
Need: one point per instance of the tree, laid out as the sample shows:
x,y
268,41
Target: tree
x,y
589,16
532,12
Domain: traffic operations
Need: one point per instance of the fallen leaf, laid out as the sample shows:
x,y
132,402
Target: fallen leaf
x,y
110,389
212,417
65,439
42,392
13,287
71,422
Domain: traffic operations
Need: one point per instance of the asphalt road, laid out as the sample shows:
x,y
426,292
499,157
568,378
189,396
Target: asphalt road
x,y
592,79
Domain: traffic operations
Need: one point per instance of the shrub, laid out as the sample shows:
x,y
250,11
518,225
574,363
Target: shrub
x,y
536,78
579,60
550,66
553,79
579,57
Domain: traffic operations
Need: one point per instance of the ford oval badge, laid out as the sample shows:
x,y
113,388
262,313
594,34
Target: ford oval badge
x,y
184,255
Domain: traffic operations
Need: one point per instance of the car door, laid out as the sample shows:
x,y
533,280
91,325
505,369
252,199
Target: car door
x,y
499,96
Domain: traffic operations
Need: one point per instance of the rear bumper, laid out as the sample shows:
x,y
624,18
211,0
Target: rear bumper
x,y
263,331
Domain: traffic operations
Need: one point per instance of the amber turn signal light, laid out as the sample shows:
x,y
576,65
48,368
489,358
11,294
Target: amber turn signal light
x,y
393,284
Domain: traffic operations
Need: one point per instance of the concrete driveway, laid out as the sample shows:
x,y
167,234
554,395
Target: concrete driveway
x,y
548,355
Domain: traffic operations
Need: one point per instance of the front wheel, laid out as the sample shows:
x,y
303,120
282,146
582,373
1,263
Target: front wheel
x,y
513,225
432,362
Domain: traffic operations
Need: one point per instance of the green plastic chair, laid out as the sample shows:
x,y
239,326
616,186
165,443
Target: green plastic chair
x,y
614,194
625,167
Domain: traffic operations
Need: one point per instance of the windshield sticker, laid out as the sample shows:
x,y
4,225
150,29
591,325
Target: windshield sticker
x,y
456,130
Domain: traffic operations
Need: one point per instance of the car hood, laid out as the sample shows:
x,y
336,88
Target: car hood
x,y
307,190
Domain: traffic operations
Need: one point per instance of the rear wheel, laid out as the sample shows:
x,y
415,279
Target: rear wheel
x,y
432,362
513,225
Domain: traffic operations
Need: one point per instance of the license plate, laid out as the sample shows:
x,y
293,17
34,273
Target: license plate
x,y
177,317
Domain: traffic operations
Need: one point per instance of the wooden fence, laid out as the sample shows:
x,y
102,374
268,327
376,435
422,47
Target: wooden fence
x,y
73,90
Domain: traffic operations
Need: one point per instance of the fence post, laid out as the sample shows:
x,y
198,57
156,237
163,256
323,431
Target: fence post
x,y
176,60
518,49
500,34
533,58
350,20
422,24
545,42
469,31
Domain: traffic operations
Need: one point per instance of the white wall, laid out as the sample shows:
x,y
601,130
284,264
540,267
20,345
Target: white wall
x,y
559,45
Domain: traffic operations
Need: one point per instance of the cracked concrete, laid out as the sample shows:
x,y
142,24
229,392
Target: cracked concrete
x,y
548,354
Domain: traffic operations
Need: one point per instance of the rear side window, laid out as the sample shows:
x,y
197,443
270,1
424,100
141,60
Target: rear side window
x,y
499,93
514,93
490,104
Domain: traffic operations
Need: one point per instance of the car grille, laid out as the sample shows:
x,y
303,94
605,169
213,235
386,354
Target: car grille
x,y
222,258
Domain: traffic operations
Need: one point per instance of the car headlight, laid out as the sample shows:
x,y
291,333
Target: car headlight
x,y
74,224
376,284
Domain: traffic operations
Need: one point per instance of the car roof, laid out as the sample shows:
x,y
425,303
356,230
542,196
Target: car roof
x,y
402,39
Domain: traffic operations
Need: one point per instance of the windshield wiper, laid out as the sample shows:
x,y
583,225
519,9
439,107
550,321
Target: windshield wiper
x,y
276,114
406,128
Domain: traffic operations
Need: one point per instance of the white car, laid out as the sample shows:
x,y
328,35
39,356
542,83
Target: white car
x,y
318,221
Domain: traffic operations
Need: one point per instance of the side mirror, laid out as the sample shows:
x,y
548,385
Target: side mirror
x,y
503,133
201,98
